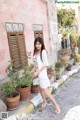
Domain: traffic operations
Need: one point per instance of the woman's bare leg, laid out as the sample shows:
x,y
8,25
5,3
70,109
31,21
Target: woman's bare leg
x,y
48,94
43,96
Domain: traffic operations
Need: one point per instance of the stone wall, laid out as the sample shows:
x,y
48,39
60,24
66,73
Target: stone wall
x,y
28,12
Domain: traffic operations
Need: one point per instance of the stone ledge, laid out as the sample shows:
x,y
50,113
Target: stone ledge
x,y
3,107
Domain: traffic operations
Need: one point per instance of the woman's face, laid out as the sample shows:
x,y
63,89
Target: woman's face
x,y
38,45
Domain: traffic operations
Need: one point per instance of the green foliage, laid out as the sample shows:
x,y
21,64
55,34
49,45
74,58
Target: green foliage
x,y
58,65
69,30
9,89
65,17
63,62
78,57
11,74
78,44
50,68
74,36
57,70
71,56
15,80
64,34
26,79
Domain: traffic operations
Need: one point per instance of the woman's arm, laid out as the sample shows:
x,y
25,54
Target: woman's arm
x,y
45,63
41,69
34,69
44,60
38,71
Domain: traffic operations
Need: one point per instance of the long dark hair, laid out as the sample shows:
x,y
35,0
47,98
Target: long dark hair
x,y
40,40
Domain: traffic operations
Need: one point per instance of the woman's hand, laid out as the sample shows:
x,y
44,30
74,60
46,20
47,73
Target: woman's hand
x,y
35,74
35,67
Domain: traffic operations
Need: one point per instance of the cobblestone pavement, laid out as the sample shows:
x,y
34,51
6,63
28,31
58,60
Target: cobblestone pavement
x,y
67,96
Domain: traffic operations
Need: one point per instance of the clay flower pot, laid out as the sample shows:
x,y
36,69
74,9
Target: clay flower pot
x,y
13,103
24,92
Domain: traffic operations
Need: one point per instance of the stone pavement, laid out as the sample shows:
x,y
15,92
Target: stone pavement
x,y
25,110
68,97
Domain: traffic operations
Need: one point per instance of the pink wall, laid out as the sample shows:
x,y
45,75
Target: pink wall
x,y
28,13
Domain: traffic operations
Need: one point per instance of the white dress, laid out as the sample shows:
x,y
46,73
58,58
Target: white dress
x,y
42,80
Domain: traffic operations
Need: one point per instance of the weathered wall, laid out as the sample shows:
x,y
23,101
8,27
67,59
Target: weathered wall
x,y
53,31
28,12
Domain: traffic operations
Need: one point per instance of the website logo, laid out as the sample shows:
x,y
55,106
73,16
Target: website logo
x,y
67,1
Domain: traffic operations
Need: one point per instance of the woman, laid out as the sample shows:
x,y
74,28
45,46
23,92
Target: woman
x,y
40,62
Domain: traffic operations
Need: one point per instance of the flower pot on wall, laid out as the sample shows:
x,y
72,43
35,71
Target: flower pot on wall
x,y
24,93
13,103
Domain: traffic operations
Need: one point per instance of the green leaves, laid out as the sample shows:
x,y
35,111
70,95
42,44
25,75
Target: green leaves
x,y
9,89
16,80
65,17
58,65
26,78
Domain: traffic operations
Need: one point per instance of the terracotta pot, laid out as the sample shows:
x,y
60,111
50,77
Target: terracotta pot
x,y
13,103
24,93
58,75
65,58
35,89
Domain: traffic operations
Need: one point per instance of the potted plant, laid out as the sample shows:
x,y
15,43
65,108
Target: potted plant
x,y
72,57
78,58
50,71
74,60
24,83
58,66
64,63
11,95
57,71
68,68
64,55
9,88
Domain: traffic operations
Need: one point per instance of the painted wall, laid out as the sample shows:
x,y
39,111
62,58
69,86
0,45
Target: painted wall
x,y
53,31
28,12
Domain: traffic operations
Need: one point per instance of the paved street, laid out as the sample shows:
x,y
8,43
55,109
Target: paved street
x,y
68,96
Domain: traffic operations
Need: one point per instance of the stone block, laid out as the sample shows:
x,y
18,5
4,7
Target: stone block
x,y
60,81
55,85
3,107
64,77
